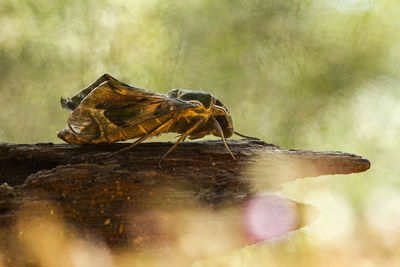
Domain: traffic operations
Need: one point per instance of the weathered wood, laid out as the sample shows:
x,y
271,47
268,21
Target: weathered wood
x,y
120,199
18,161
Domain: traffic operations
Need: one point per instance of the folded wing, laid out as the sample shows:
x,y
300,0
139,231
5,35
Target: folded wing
x,y
108,109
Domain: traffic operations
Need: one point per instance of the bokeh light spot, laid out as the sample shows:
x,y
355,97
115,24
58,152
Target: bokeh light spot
x,y
267,216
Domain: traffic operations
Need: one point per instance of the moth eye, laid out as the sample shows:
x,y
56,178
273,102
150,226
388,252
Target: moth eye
x,y
222,121
226,124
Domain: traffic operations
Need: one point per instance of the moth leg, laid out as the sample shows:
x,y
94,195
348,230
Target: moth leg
x,y
183,140
183,136
153,132
245,136
219,129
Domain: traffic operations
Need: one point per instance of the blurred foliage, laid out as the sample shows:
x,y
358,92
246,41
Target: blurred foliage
x,y
319,74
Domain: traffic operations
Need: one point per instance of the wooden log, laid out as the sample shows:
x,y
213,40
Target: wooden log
x,y
129,201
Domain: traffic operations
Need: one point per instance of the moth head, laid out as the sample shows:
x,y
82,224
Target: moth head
x,y
223,117
209,103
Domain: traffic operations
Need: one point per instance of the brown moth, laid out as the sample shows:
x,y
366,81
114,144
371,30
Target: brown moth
x,y
108,111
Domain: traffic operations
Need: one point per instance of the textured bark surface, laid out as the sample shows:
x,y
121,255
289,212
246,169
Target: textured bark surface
x,y
120,199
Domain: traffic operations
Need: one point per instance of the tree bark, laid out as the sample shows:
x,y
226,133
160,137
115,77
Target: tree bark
x,y
129,201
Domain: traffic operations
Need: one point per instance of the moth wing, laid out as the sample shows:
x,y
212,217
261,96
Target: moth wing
x,y
109,107
74,102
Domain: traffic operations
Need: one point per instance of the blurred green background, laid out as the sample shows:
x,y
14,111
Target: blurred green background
x,y
321,75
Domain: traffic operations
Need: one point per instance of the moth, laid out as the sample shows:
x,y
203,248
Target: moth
x,y
108,111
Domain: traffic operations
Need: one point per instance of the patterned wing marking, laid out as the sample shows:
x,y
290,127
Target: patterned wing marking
x,y
108,108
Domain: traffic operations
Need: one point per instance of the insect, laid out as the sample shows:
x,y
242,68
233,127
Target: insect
x,y
108,111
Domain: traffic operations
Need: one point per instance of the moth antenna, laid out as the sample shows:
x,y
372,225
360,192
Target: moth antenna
x,y
141,139
245,136
219,129
183,136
